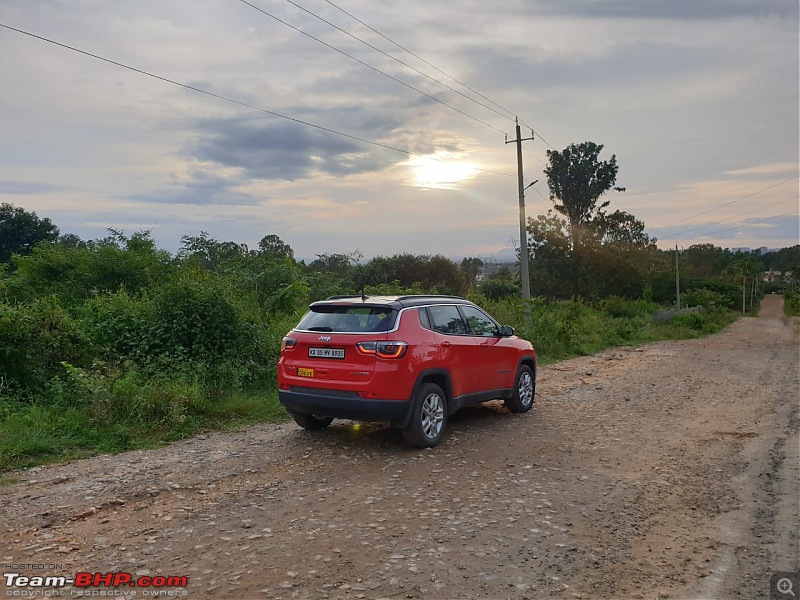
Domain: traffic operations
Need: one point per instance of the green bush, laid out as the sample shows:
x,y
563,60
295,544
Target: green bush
x,y
188,328
622,308
499,289
74,274
34,339
703,297
791,303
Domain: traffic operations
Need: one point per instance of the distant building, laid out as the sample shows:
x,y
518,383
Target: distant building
x,y
778,276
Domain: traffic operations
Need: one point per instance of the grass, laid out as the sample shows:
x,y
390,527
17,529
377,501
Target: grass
x,y
95,411
35,434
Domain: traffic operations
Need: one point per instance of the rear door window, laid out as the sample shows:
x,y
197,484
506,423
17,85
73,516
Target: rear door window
x,y
447,319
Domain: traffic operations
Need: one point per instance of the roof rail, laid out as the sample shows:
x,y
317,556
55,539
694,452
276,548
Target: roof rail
x,y
429,296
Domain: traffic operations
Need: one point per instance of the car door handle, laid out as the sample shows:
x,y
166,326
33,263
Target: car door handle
x,y
446,344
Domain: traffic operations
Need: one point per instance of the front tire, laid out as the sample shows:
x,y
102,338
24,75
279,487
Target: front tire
x,y
429,417
524,391
311,422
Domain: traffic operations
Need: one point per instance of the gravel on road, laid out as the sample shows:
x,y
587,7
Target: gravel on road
x,y
668,470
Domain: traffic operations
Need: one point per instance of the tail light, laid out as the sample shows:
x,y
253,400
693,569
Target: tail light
x,y
288,343
383,349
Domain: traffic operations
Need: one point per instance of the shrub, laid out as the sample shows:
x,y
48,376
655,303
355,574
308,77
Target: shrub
x,y
791,303
34,339
703,297
622,308
499,289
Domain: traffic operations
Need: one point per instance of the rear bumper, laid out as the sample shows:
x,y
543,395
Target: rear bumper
x,y
345,405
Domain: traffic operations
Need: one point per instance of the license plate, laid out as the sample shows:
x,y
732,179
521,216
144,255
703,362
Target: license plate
x,y
303,372
326,352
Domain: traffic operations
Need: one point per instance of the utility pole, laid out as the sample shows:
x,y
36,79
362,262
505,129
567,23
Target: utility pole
x,y
744,291
677,280
523,234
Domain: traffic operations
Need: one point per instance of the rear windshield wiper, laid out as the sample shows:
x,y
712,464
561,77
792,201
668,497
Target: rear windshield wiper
x,y
325,328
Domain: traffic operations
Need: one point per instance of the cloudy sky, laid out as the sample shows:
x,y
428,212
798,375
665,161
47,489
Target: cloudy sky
x,y
232,127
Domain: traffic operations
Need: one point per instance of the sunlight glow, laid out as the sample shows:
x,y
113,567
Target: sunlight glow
x,y
430,172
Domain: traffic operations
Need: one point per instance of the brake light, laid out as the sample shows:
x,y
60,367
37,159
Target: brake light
x,y
383,349
288,343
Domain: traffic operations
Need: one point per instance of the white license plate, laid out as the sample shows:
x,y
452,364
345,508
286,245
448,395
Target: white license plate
x,y
326,352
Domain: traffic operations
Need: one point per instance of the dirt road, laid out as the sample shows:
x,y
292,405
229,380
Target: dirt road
x,y
668,470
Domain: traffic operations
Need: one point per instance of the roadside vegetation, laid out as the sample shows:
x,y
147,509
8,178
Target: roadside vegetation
x,y
791,302
114,344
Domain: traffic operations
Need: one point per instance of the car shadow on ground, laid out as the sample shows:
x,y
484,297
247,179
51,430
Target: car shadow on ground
x,y
379,436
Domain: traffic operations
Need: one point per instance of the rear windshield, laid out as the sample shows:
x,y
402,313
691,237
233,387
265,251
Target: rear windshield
x,y
349,319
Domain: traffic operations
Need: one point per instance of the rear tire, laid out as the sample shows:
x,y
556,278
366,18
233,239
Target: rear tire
x,y
524,391
429,417
311,422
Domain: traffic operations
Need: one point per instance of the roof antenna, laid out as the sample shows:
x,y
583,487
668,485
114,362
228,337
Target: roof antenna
x,y
363,295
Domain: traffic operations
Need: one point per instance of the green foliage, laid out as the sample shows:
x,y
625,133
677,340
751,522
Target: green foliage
x,y
471,268
274,247
567,328
74,274
34,339
21,230
577,179
703,261
690,325
791,302
620,308
436,274
114,344
726,293
499,289
703,297
394,288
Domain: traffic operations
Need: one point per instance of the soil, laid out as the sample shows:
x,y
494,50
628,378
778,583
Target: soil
x,y
669,470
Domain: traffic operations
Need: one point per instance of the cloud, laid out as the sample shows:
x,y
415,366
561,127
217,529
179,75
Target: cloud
x,y
201,188
23,188
771,169
774,231
672,9
266,149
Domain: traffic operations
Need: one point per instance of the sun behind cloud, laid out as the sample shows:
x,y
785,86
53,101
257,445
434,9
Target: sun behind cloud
x,y
441,170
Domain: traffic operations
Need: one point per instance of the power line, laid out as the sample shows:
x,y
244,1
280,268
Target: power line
x,y
369,66
509,113
685,234
239,102
394,58
752,223
728,203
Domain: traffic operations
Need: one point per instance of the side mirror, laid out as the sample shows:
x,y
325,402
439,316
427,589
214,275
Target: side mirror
x,y
506,331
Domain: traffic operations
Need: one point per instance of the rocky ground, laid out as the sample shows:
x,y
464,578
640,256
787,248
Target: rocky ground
x,y
664,471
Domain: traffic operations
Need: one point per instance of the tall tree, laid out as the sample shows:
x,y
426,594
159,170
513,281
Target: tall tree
x,y
577,180
274,247
591,253
21,230
471,267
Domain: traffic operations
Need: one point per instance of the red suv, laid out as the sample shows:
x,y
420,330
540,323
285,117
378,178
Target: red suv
x,y
408,360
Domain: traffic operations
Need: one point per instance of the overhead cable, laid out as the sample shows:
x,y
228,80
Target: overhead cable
x,y
239,102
